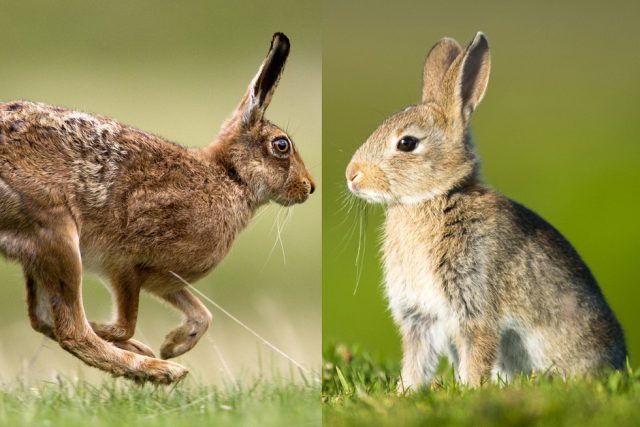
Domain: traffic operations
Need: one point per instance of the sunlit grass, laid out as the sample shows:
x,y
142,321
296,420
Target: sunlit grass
x,y
120,403
360,389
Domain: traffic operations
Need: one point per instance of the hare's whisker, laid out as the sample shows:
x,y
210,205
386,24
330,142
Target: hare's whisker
x,y
279,236
242,324
225,366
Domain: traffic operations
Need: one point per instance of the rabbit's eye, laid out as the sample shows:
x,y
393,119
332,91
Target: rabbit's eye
x,y
281,146
408,143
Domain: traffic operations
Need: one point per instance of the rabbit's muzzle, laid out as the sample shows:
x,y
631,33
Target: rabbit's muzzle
x,y
367,181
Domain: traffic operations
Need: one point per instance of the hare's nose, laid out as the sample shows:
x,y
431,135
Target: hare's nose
x,y
308,180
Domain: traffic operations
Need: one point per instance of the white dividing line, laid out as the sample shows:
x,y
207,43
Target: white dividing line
x,y
239,322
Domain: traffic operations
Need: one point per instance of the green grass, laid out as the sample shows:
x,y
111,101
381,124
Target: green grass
x,y
120,403
359,390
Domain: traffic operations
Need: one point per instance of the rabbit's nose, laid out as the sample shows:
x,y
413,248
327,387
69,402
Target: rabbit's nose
x,y
312,187
353,172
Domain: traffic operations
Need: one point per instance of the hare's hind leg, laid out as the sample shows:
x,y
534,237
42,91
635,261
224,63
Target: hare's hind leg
x,y
126,290
58,268
39,307
186,336
41,318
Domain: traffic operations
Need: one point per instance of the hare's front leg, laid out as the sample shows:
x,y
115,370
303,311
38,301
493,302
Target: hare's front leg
x,y
187,335
422,341
126,291
478,347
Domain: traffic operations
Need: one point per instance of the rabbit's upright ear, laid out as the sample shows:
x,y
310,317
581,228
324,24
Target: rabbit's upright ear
x,y
260,90
439,59
468,77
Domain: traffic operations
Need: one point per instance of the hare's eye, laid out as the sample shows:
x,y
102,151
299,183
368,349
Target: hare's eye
x,y
408,143
281,146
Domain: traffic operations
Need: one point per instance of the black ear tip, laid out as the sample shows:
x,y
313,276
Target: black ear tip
x,y
280,41
480,39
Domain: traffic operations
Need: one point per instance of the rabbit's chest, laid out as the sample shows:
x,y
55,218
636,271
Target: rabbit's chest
x,y
413,287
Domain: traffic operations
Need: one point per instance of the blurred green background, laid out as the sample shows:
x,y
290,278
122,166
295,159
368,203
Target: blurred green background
x,y
557,131
178,69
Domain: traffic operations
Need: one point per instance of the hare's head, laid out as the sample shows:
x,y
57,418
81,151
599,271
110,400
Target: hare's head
x,y
425,150
259,152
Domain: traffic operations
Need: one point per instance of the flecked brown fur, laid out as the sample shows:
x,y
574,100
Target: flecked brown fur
x,y
80,190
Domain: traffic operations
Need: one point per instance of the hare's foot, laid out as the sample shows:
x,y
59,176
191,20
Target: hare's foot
x,y
183,338
120,336
187,335
112,331
158,371
135,346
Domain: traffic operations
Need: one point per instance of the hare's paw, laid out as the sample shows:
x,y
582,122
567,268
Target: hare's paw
x,y
112,331
158,371
182,339
135,347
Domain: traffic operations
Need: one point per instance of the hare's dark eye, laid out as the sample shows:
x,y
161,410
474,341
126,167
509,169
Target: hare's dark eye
x,y
408,143
281,146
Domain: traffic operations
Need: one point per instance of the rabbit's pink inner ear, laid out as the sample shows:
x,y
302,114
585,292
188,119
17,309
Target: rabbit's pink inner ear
x,y
438,61
473,76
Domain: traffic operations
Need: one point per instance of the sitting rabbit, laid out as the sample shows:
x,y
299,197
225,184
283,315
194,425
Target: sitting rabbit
x,y
84,191
471,274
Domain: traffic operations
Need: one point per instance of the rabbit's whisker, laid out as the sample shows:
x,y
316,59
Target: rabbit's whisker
x,y
362,241
348,201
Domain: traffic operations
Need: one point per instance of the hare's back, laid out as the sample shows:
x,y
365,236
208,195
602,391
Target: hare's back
x,y
47,151
60,134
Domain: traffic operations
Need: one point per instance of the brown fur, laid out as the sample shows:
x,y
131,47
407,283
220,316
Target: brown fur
x,y
84,190
469,273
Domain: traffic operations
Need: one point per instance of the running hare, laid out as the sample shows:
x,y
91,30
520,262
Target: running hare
x,y
469,273
84,191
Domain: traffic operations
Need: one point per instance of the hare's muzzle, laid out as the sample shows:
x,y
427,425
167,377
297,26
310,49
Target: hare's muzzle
x,y
310,184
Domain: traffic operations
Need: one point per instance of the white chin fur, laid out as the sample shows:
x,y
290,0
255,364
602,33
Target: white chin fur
x,y
419,198
371,196
376,197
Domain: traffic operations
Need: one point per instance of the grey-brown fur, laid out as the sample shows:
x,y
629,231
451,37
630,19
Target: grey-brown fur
x,y
469,273
81,191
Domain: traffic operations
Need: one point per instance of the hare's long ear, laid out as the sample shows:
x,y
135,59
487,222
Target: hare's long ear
x,y
467,78
439,59
260,90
